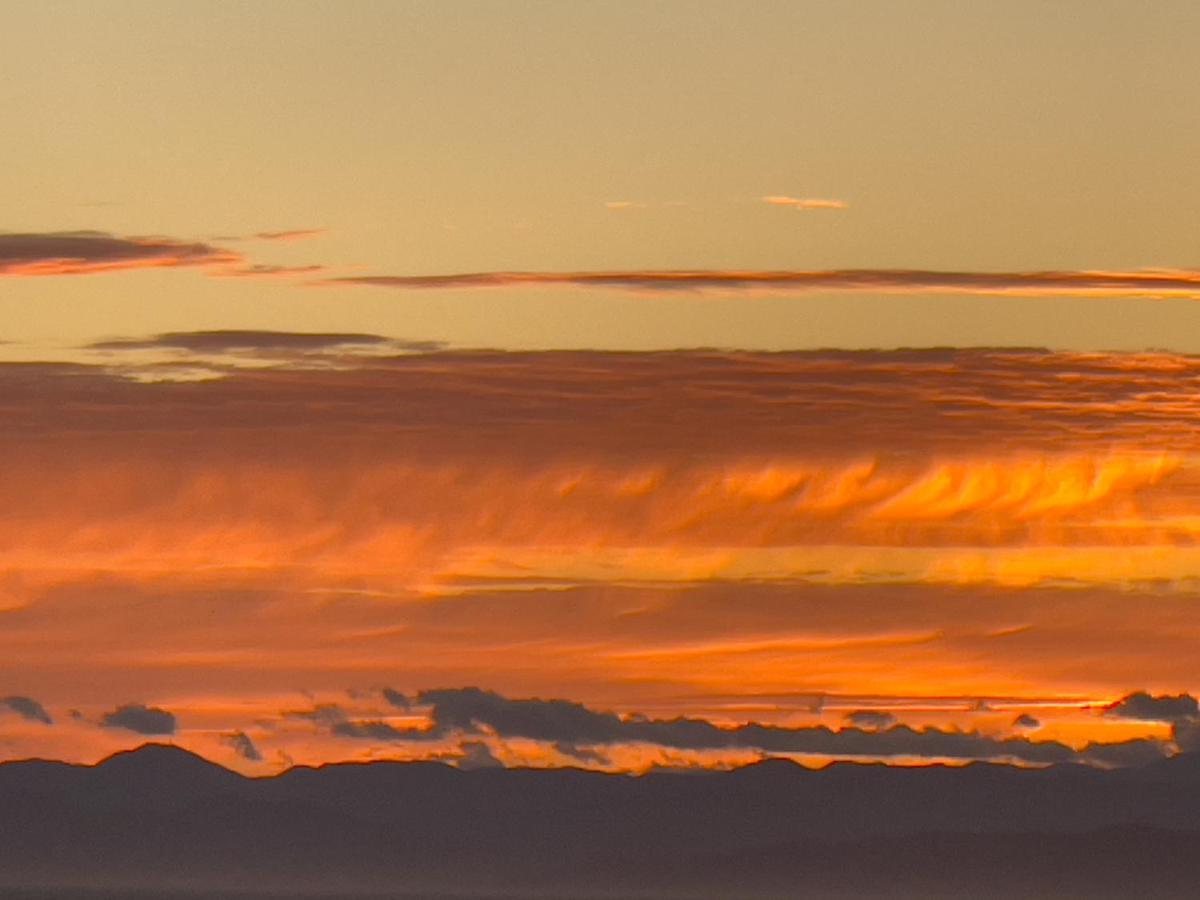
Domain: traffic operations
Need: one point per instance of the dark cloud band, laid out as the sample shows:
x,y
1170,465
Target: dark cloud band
x,y
81,252
1145,282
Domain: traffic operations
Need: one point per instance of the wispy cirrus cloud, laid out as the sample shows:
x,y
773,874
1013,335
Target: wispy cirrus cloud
x,y
650,525
1152,283
83,252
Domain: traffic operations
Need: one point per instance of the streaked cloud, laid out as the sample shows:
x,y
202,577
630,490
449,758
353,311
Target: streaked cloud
x,y
803,202
236,340
1084,283
734,537
297,234
83,252
263,270
945,466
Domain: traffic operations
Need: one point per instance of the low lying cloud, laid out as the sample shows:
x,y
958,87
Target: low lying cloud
x,y
870,719
564,723
1148,283
1182,711
27,708
148,720
1164,708
477,755
82,252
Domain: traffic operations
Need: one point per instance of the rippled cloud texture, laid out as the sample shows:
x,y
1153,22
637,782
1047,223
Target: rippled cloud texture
x,y
997,545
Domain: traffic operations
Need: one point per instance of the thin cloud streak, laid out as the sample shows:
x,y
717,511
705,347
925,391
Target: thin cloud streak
x,y
242,340
263,270
297,234
802,203
1149,283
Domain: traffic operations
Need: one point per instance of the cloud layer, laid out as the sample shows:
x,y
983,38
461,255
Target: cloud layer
x,y
777,538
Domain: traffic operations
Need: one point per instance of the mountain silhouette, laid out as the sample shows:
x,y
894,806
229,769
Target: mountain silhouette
x,y
160,818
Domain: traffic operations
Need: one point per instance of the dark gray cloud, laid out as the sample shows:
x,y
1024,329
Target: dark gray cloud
x,y
1163,708
378,730
477,755
584,754
1134,752
871,719
242,745
230,340
464,709
396,698
79,252
1186,735
1148,283
573,727
27,708
328,714
140,718
333,718
1026,721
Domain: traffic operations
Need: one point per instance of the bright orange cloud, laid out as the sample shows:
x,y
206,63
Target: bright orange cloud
x,y
803,202
664,533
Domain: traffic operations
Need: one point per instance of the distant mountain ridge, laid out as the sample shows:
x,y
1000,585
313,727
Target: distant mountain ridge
x,y
160,817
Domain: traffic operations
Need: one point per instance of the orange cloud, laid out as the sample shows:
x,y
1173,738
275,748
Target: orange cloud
x,y
671,533
803,202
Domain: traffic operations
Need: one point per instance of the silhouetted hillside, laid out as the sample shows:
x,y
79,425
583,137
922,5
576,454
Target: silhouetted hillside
x,y
161,817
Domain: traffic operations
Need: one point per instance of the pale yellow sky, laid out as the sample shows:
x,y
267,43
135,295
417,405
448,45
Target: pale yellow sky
x,y
447,137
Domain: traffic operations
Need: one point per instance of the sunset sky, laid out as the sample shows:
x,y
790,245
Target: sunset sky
x,y
608,385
